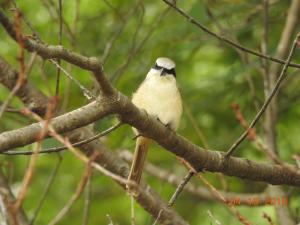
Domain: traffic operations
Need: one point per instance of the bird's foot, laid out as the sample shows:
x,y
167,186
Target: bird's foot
x,y
167,125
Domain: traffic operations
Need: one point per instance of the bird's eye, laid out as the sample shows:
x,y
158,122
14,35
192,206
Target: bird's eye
x,y
156,67
173,72
170,71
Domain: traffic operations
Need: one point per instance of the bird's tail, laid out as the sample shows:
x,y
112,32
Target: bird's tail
x,y
139,157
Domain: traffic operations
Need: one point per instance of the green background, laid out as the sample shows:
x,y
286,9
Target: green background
x,y
210,75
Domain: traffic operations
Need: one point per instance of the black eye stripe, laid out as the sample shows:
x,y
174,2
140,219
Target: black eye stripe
x,y
171,71
167,71
157,67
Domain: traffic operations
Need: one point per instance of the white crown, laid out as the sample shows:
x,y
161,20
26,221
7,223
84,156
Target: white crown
x,y
165,63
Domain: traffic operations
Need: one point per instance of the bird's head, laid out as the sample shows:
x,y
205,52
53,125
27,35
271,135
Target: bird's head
x,y
164,66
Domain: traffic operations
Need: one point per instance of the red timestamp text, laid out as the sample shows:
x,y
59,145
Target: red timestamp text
x,y
256,201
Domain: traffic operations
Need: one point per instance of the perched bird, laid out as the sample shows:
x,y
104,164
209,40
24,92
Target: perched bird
x,y
160,97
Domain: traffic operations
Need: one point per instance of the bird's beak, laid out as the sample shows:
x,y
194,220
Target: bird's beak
x,y
163,72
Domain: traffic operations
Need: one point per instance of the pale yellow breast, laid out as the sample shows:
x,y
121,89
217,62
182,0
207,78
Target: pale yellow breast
x,y
160,97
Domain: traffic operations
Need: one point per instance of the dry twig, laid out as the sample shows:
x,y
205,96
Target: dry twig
x,y
267,101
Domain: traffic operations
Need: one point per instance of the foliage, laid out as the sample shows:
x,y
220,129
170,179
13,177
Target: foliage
x,y
211,76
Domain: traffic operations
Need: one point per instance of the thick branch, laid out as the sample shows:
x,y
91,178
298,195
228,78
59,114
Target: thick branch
x,y
149,200
291,25
8,199
67,122
29,96
201,192
50,51
118,103
199,158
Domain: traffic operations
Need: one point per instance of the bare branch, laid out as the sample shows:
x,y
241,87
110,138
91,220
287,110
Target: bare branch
x,y
148,199
87,201
7,198
58,149
251,199
67,122
77,194
175,195
21,58
224,39
30,96
49,52
46,190
267,101
59,43
210,160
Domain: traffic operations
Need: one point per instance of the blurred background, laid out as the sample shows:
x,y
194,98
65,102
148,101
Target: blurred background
x,y
128,36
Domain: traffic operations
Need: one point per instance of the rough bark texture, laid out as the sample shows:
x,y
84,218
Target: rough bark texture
x,y
148,199
110,102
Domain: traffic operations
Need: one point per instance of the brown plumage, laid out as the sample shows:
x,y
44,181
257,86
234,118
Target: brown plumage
x,y
139,158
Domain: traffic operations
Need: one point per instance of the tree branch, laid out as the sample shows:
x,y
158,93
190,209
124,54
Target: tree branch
x,y
268,99
67,122
29,96
251,199
50,51
199,158
224,39
6,195
148,199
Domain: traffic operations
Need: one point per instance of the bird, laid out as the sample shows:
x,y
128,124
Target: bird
x,y
159,96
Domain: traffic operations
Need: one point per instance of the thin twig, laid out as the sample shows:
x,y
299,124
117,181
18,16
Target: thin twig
x,y
180,187
193,121
116,34
116,75
138,28
267,101
27,21
31,168
45,77
46,190
21,59
54,13
268,218
213,218
57,63
297,159
216,193
79,154
115,10
77,193
243,55
58,149
265,34
60,43
259,143
229,205
30,63
178,190
85,91
4,219
203,139
109,219
132,213
87,201
226,40
194,190
76,19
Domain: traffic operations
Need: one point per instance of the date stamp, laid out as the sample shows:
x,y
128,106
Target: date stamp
x,y
256,201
